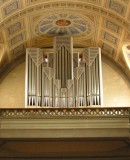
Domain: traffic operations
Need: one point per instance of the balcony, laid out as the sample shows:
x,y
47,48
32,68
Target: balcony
x,y
94,122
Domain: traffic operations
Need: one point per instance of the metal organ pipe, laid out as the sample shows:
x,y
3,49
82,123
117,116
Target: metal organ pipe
x,y
62,80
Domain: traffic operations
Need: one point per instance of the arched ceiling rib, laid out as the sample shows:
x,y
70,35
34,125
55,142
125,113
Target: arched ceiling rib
x,y
31,23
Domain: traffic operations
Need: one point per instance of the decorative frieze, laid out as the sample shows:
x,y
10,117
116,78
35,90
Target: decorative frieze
x,y
65,112
85,7
89,1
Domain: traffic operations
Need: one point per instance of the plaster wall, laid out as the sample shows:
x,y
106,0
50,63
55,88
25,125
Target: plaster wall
x,y
116,89
12,88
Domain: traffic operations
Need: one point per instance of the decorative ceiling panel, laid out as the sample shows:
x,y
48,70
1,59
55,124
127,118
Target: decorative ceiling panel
x,y
16,39
109,50
117,7
112,26
14,28
3,1
34,23
63,23
11,8
18,50
110,38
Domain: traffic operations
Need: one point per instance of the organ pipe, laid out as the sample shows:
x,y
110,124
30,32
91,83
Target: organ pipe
x,y
59,79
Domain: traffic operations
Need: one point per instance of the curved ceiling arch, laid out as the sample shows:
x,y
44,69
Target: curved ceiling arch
x,y
80,6
110,19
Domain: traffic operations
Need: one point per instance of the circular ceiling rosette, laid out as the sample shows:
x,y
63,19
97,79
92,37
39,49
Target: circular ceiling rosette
x,y
64,24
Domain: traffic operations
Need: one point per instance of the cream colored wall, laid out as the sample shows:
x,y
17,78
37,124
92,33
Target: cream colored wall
x,y
12,88
115,89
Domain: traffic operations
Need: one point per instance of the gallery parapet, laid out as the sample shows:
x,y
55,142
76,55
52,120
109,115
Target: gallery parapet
x,y
64,112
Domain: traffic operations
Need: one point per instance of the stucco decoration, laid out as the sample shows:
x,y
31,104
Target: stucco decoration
x,y
64,24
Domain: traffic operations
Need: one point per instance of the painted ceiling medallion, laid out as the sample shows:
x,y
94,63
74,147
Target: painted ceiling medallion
x,y
64,24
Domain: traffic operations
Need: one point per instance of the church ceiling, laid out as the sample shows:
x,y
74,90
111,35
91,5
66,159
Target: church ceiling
x,y
34,23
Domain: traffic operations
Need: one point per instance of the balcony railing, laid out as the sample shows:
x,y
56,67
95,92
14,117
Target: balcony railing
x,y
82,122
64,112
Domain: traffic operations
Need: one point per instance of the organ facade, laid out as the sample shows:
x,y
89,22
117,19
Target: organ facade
x,y
64,76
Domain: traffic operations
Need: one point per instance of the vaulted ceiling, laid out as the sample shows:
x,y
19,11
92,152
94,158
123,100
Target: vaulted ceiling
x,y
34,23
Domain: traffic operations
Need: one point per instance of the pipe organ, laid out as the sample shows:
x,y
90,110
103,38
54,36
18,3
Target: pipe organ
x,y
63,78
